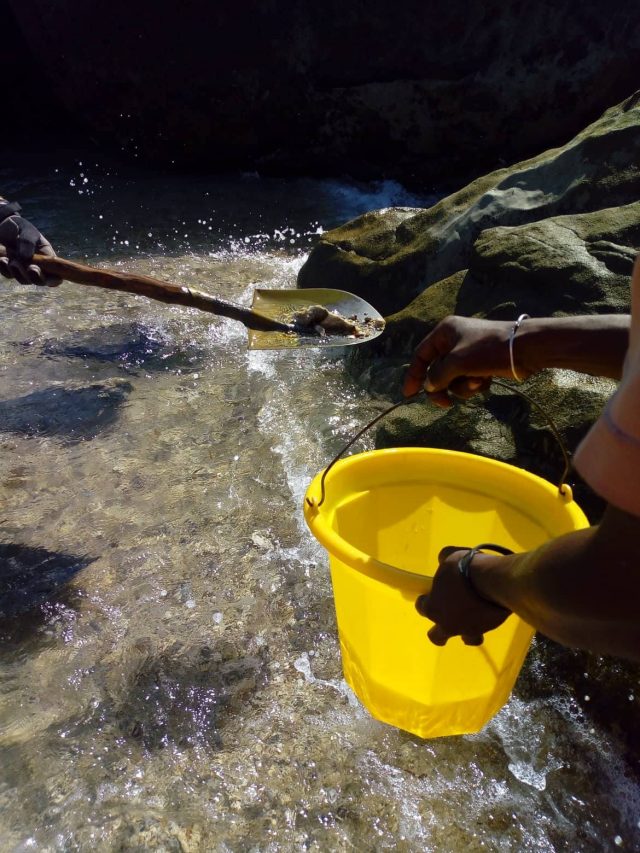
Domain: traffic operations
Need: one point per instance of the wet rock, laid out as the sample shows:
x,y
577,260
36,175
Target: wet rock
x,y
504,426
390,257
70,413
472,430
380,364
579,264
560,265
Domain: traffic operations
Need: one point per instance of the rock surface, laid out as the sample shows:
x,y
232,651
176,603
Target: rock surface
x,y
390,256
426,91
506,427
556,235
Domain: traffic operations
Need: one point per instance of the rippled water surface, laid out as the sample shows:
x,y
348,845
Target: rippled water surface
x,y
169,668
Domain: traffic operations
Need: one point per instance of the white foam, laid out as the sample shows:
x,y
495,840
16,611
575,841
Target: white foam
x,y
356,199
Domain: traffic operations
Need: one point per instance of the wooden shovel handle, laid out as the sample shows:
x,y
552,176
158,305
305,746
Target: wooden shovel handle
x,y
161,291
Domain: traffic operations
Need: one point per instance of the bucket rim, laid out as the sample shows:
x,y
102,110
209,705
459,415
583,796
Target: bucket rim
x,y
359,560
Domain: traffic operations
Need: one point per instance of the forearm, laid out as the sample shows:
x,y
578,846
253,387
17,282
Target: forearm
x,y
594,344
582,589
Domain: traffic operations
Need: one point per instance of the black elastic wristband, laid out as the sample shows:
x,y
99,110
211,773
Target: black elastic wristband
x,y
9,208
464,564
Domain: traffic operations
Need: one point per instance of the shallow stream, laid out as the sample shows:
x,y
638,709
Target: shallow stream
x,y
169,665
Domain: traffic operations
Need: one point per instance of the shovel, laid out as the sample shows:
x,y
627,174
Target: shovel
x,y
271,320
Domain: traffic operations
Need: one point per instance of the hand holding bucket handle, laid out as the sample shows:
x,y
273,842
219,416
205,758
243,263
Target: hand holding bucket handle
x,y
454,603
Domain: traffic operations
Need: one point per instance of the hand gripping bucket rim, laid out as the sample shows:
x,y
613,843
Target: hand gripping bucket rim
x,y
378,501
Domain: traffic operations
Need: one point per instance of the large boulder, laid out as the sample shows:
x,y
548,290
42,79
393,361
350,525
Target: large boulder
x,y
424,91
554,236
559,266
390,256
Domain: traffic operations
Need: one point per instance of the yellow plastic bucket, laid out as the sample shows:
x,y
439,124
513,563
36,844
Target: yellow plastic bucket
x,y
385,516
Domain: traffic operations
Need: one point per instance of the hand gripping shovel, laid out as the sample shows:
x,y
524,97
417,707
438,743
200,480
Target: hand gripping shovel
x,y
278,319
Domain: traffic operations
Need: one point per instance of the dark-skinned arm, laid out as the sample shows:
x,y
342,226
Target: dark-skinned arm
x,y
462,354
581,589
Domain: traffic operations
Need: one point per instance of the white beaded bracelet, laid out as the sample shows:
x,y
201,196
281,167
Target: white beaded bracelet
x,y
516,326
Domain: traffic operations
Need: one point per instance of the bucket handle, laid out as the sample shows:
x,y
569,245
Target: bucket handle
x,y
563,488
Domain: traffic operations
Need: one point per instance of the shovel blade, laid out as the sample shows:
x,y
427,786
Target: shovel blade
x,y
283,304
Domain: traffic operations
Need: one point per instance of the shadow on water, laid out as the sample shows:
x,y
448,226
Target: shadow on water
x,y
129,346
70,413
181,695
34,592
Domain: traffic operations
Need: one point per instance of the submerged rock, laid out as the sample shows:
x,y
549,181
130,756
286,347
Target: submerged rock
x,y
70,412
180,694
32,577
129,345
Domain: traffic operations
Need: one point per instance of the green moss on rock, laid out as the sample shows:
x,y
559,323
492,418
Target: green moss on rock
x,y
389,257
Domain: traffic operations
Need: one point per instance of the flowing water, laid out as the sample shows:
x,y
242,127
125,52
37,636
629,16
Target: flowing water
x,y
169,665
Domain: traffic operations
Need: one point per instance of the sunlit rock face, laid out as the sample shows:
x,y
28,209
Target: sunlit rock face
x,y
422,92
554,235
570,210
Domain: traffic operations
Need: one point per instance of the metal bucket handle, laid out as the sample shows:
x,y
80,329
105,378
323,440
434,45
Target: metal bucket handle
x,y
563,488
